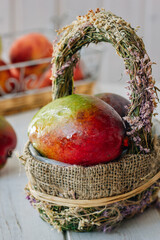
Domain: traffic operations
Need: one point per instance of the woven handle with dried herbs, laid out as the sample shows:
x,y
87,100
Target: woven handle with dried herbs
x,y
101,26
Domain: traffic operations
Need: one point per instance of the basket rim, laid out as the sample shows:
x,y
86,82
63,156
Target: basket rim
x,y
61,164
93,182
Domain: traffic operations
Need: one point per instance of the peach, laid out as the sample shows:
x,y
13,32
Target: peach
x,y
8,81
78,72
35,82
29,47
42,81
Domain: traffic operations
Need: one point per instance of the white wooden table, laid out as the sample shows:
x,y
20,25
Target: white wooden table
x,y
19,221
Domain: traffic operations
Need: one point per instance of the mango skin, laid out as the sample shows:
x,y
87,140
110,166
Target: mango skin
x,y
78,129
116,101
8,140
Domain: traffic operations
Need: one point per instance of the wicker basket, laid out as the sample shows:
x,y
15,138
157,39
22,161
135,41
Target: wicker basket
x,y
98,197
31,92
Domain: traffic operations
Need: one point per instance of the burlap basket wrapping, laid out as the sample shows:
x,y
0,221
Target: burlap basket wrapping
x,y
93,198
103,180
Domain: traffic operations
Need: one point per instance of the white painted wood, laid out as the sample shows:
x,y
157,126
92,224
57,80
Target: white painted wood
x,y
17,15
18,220
75,8
4,16
34,14
142,227
151,34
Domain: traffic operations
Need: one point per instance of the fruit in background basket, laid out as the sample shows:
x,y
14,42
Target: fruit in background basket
x,y
30,47
33,81
8,81
78,72
44,80
116,101
78,129
4,76
8,140
14,73
36,82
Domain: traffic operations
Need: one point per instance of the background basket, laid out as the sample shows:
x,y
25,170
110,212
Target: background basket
x,y
32,92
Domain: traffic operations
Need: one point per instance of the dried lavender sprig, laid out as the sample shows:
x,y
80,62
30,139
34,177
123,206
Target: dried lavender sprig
x,y
142,85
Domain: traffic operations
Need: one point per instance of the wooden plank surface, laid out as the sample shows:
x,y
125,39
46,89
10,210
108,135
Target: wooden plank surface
x,y
143,227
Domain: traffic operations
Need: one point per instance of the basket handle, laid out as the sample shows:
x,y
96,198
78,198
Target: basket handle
x,y
102,26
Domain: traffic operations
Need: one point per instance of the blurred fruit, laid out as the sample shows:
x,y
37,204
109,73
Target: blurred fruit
x,y
29,47
8,140
14,73
78,72
78,129
8,83
36,82
46,78
77,75
116,101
